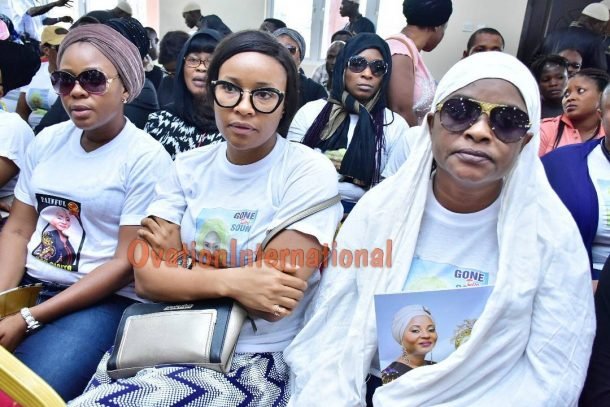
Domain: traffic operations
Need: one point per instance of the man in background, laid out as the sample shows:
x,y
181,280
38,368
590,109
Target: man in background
x,y
586,35
193,18
357,22
483,40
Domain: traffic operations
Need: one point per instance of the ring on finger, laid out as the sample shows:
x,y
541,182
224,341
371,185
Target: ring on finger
x,y
277,310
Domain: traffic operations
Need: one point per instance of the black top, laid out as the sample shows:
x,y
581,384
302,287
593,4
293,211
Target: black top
x,y
589,44
597,385
213,22
155,76
309,90
361,25
397,369
137,111
165,91
550,110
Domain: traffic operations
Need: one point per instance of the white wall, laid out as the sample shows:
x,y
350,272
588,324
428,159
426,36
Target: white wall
x,y
237,14
469,15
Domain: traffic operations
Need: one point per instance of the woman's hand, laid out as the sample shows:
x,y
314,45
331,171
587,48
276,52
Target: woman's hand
x,y
262,287
12,331
160,234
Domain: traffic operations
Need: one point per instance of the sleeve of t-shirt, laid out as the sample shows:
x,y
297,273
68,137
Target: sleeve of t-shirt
x,y
395,134
398,156
22,189
313,181
301,123
169,202
143,176
16,135
398,47
548,130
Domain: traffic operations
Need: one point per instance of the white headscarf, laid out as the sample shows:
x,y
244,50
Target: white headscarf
x,y
530,346
403,317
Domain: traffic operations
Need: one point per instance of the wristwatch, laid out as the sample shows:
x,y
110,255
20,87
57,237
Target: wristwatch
x,y
32,323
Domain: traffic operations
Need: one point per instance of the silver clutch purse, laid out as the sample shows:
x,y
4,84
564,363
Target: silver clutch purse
x,y
201,334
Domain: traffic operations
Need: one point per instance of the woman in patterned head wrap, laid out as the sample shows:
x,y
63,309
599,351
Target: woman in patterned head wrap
x,y
411,84
99,171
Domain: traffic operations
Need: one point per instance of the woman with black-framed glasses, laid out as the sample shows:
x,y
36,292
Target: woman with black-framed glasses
x,y
188,121
81,194
220,201
354,129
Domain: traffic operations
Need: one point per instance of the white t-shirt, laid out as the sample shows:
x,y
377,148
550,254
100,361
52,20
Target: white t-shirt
x,y
400,153
393,132
82,198
230,207
15,135
454,249
599,171
39,94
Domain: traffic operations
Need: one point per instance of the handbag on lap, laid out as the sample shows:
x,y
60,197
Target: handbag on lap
x,y
203,333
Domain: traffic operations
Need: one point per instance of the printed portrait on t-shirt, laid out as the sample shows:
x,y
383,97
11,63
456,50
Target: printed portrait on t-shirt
x,y
222,236
62,236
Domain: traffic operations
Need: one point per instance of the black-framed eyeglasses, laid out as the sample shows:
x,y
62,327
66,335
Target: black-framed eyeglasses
x,y
509,123
358,64
194,62
292,49
263,100
92,81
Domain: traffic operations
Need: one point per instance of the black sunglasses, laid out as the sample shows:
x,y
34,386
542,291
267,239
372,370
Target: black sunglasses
x,y
92,81
508,123
358,64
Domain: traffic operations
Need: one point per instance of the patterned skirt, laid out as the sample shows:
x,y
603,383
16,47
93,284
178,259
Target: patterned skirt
x,y
255,379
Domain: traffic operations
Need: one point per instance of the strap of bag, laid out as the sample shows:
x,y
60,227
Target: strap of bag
x,y
299,216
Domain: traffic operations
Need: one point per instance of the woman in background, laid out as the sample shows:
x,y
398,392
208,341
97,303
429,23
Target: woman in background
x,y
551,73
411,84
188,122
581,120
354,129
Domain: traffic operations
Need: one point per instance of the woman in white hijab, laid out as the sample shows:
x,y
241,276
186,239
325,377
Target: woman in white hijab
x,y
486,207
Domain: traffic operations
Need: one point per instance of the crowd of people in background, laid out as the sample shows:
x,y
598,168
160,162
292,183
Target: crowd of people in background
x,y
112,132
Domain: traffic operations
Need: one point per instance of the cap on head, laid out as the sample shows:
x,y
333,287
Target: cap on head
x,y
123,5
597,11
192,6
53,35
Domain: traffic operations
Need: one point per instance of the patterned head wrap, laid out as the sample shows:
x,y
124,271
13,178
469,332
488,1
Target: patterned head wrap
x,y
120,51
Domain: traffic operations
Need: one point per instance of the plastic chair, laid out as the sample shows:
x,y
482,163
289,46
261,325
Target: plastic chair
x,y
24,386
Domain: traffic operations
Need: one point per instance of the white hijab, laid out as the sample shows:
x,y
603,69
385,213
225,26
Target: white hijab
x,y
530,346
